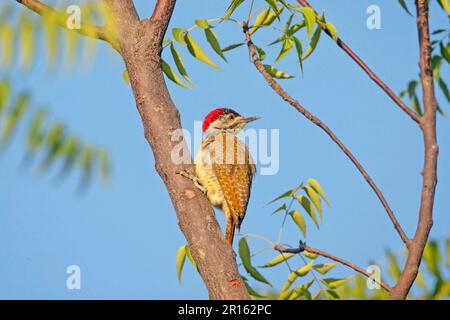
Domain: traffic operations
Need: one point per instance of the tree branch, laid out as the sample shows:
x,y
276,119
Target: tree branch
x,y
141,45
304,247
286,97
369,72
428,126
61,19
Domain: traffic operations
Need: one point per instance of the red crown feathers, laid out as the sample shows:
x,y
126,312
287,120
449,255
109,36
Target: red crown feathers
x,y
213,115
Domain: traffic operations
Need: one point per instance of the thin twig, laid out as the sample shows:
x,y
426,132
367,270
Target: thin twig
x,y
286,97
366,68
303,247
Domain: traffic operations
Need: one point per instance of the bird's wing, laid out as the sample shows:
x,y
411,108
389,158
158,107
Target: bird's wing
x,y
235,180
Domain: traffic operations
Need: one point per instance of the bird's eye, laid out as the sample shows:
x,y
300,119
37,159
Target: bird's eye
x,y
231,116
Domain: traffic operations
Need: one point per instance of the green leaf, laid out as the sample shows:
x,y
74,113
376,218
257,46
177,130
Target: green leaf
x,y
324,267
274,7
300,272
202,23
314,197
316,186
299,221
178,35
313,44
284,295
299,49
214,42
181,257
233,6
288,44
331,294
172,75
278,259
280,208
287,194
35,136
232,46
296,27
12,120
310,19
307,205
4,94
445,51
333,283
261,53
332,29
244,253
404,6
196,51
179,63
275,73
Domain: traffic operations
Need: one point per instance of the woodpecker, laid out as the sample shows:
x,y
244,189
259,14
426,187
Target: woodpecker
x,y
224,168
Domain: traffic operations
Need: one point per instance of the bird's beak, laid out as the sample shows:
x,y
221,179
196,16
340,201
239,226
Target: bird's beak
x,y
249,119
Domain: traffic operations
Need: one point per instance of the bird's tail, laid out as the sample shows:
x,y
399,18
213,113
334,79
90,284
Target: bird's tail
x,y
231,226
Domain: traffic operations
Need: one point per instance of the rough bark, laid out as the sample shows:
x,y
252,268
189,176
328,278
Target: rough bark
x,y
429,172
140,47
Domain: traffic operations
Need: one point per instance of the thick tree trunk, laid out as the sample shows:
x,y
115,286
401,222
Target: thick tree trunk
x,y
429,172
140,47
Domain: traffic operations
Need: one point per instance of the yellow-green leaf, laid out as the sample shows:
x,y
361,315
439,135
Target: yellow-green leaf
x,y
7,41
323,268
307,205
260,20
313,44
316,186
181,257
275,73
125,77
310,255
188,254
314,197
333,283
278,259
178,35
300,272
196,51
332,29
202,23
310,19
288,44
172,75
299,221
233,6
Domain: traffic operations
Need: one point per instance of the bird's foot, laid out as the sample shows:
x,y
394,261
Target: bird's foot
x,y
193,178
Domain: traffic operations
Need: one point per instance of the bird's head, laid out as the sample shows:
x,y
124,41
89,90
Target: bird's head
x,y
225,119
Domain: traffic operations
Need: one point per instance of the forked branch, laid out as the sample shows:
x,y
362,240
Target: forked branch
x,y
304,247
294,103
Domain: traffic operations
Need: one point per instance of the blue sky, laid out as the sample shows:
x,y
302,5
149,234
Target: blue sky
x,y
124,237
